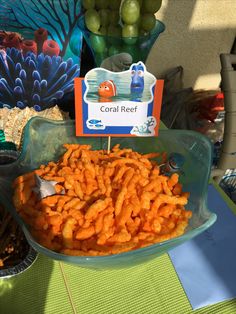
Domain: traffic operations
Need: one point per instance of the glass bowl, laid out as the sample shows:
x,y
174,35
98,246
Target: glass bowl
x,y
105,46
43,141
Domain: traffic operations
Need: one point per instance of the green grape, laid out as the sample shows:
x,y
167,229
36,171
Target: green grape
x,y
151,6
114,4
142,32
101,4
140,3
114,34
130,11
92,20
138,23
130,33
99,57
114,50
103,30
148,21
104,16
114,17
114,31
88,4
133,51
130,30
98,43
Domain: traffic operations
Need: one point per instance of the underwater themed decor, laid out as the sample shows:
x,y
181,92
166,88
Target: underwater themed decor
x,y
40,49
51,19
36,81
125,103
137,81
173,164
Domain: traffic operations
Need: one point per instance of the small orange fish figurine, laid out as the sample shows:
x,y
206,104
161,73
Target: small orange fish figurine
x,y
107,89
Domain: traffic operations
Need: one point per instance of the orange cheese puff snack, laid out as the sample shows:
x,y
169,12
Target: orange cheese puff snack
x,y
104,202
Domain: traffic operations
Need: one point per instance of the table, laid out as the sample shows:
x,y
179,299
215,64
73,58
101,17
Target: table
x,y
51,287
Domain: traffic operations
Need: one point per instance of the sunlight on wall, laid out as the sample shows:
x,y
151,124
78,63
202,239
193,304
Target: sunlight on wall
x,y
206,80
222,14
197,31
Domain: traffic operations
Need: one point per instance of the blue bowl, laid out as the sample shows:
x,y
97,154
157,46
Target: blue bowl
x,y
43,141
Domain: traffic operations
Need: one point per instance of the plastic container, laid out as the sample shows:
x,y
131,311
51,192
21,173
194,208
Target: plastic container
x,y
18,269
228,75
224,174
8,151
43,141
104,46
9,155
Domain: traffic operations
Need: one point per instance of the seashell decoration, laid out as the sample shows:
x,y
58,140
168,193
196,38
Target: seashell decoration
x,y
13,121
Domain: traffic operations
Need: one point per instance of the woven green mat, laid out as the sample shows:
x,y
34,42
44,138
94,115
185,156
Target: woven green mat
x,y
53,288
39,290
150,288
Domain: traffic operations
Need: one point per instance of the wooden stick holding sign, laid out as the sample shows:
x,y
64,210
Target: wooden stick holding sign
x,y
109,145
123,104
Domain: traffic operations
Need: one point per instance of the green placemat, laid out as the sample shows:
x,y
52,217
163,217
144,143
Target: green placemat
x,y
39,290
151,288
52,288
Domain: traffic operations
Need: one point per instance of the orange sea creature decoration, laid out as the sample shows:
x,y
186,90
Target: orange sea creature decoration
x,y
107,89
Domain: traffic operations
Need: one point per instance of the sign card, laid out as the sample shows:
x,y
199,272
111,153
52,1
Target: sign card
x,y
118,103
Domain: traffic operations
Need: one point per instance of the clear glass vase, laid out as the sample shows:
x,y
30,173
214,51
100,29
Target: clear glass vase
x,y
108,49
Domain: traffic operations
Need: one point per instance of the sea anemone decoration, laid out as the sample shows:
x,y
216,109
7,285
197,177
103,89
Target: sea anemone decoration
x,y
36,81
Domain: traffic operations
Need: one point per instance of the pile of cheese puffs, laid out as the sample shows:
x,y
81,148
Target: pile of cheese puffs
x,y
105,202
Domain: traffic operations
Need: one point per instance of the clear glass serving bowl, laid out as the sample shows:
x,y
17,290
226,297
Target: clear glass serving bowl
x,y
43,141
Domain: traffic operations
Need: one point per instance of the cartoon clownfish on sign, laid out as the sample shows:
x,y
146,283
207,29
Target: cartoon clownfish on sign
x,y
107,90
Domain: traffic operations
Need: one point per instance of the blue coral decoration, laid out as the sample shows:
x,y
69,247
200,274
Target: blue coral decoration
x,y
146,129
34,81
